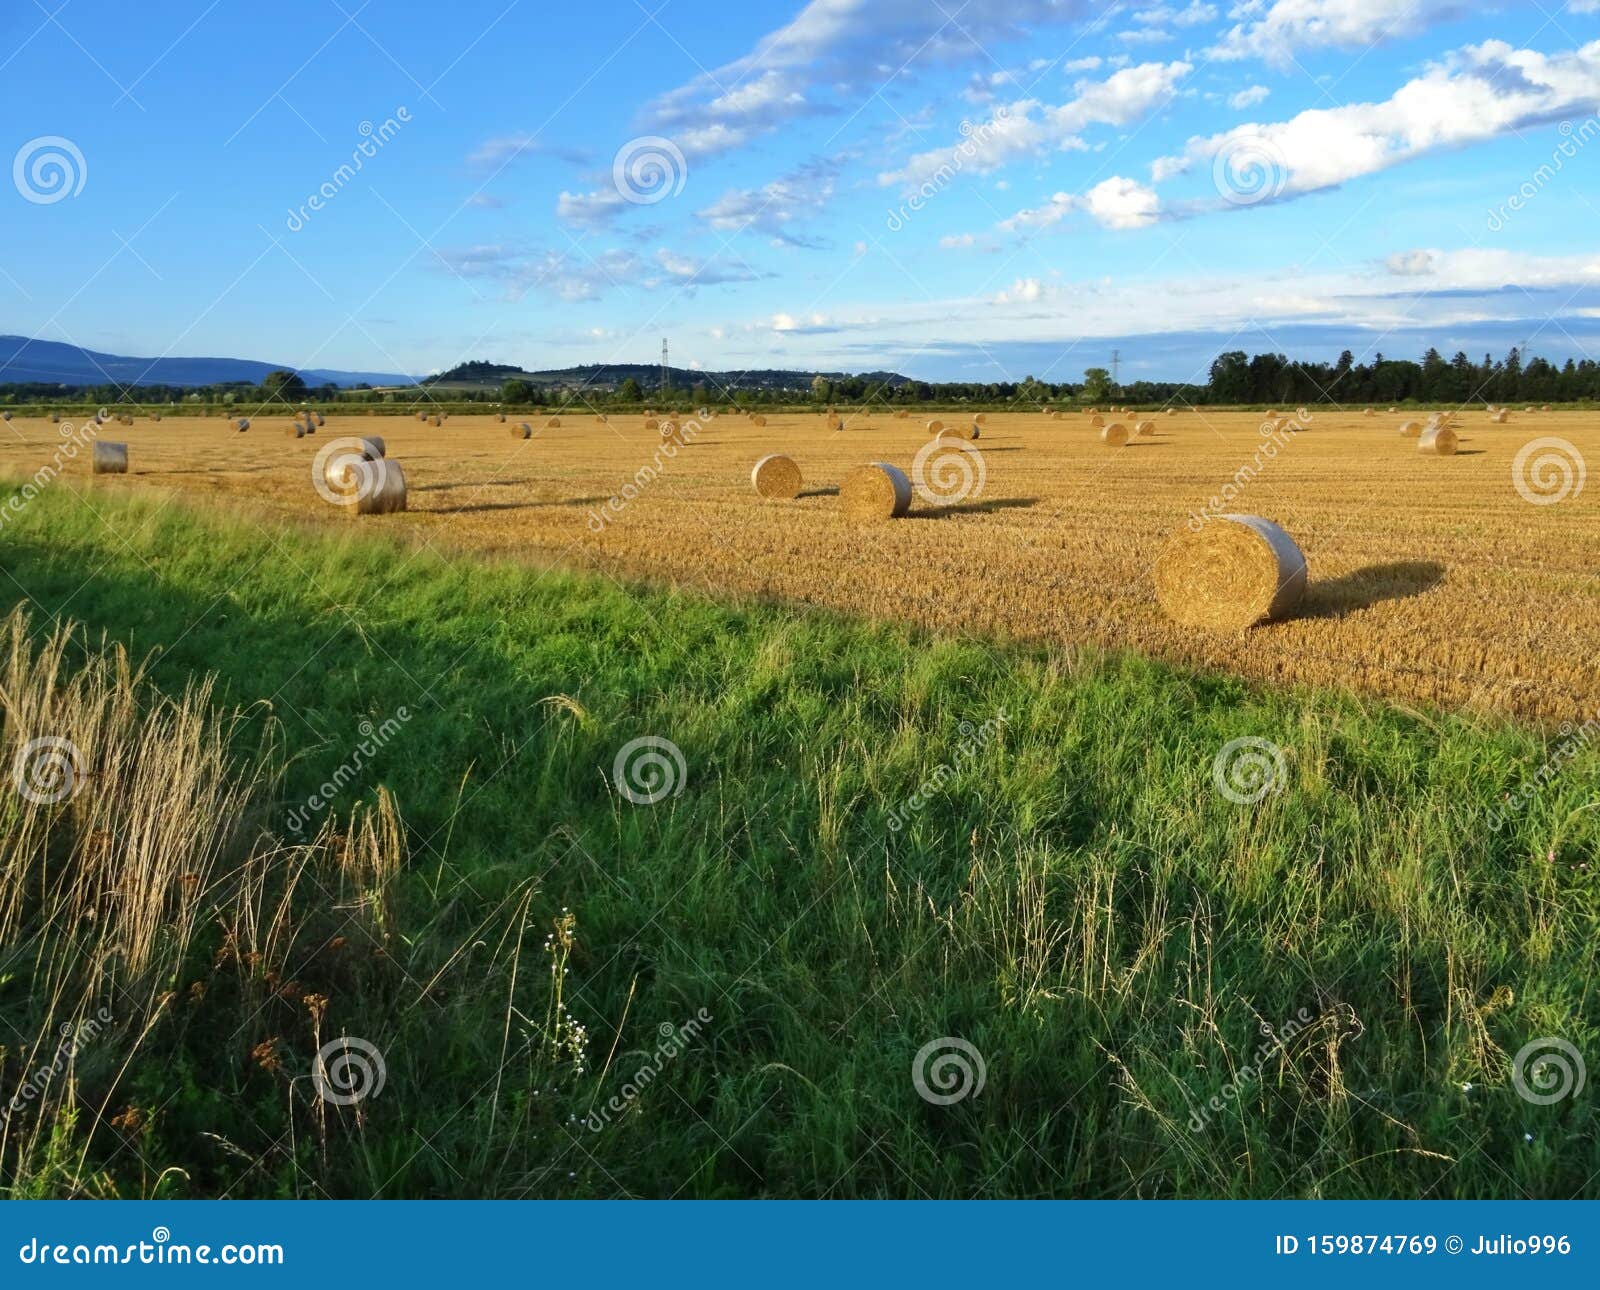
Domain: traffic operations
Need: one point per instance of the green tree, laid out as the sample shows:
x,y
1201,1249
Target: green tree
x,y
516,391
1096,384
283,384
629,391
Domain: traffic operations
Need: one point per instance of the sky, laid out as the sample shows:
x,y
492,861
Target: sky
x,y
954,189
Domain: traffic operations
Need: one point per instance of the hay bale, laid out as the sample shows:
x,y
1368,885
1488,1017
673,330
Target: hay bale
x,y
1529,408
1393,410
1544,407
650,423
776,476
500,417
876,492
1144,429
1500,417
373,448
1097,422
982,419
522,430
110,458
380,487
1172,412
155,416
933,427
123,419
1114,435
436,422
319,419
554,423
1410,429
1438,441
1235,572
901,414
1368,412
242,424
422,417
5,416
831,422
55,418
758,421
294,430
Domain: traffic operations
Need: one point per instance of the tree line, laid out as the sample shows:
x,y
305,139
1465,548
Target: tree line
x,y
1234,378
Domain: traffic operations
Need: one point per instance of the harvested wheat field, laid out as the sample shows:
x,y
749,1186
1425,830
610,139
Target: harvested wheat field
x,y
1431,579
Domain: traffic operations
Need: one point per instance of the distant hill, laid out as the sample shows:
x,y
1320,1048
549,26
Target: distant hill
x,y
24,360
607,376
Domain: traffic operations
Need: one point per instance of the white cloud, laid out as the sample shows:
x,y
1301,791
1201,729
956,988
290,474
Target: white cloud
x,y
688,270
1478,93
1292,25
1028,127
589,210
1117,202
570,277
1248,97
776,208
835,48
1022,291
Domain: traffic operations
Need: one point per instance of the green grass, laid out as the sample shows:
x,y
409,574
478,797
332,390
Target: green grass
x,y
1075,899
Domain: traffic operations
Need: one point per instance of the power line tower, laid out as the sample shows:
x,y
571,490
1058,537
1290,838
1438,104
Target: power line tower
x,y
666,381
1116,369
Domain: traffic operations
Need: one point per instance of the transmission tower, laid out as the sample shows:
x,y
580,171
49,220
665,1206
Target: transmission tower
x,y
666,381
1116,369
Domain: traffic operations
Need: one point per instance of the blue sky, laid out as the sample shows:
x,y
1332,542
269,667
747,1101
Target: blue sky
x,y
971,191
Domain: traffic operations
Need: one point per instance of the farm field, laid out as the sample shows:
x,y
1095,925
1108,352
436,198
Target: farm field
x,y
887,859
1434,580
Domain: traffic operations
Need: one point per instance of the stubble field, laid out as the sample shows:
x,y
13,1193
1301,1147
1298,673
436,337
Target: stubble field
x,y
1433,579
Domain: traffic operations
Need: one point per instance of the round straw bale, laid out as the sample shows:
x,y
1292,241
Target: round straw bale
x,y
1172,412
1114,435
933,427
876,492
1092,412
155,416
522,430
758,421
1394,409
650,423
1410,429
500,417
1235,572
982,419
1144,429
55,418
1439,441
831,422
1097,421
1544,407
776,476
373,448
668,428
1529,408
123,419
295,430
110,458
554,423
1368,412
1500,417
380,487
5,416
422,416
243,423
435,422
1272,412
318,417
901,414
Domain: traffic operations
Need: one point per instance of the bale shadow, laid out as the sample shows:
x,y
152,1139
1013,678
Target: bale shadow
x,y
1470,452
974,508
1364,588
829,491
472,483
515,506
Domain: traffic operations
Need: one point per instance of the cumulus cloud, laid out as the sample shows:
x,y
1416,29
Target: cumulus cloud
x,y
1029,127
690,271
1117,202
1249,97
862,44
1289,26
778,208
571,277
1479,93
